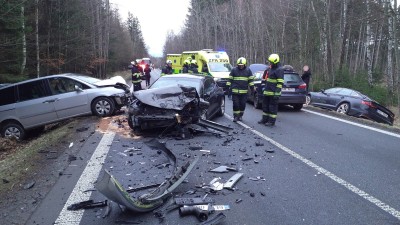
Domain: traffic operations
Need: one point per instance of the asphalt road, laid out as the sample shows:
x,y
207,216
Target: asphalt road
x,y
322,171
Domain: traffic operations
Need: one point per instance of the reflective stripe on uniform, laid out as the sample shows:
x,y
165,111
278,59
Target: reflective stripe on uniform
x,y
237,91
241,78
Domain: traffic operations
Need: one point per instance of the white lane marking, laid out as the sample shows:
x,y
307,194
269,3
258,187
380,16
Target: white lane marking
x,y
86,182
353,123
385,207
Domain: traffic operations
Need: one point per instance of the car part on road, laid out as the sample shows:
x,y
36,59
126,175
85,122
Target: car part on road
x,y
215,220
233,180
201,215
223,169
113,190
87,205
214,125
193,201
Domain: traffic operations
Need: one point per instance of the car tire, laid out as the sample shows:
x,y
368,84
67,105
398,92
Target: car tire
x,y
256,101
308,99
343,108
103,107
221,110
13,130
297,107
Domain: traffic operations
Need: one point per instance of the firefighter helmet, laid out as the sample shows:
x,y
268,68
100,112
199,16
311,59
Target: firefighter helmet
x,y
169,61
241,61
186,62
194,61
273,58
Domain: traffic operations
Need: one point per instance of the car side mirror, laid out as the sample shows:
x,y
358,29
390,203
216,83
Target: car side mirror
x,y
77,88
322,91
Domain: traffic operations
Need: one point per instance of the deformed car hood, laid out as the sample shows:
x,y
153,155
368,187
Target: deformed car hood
x,y
111,81
172,97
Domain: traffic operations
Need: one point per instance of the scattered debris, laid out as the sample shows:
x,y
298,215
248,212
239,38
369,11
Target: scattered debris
x,y
196,147
82,129
191,192
246,159
270,150
29,185
193,201
223,169
215,220
212,208
258,143
252,194
71,158
87,205
205,151
262,193
238,200
5,181
108,209
201,215
111,188
217,186
71,144
257,178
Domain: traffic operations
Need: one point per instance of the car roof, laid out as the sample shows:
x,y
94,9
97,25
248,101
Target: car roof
x,y
76,75
182,75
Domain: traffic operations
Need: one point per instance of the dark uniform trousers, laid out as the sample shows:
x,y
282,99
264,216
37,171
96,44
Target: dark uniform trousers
x,y
270,108
239,104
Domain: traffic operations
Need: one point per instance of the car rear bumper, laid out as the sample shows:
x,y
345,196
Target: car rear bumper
x,y
292,99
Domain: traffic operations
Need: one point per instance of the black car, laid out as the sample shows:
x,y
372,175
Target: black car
x,y
351,102
293,90
173,94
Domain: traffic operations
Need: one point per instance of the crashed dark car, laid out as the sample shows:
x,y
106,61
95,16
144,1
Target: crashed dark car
x,y
164,107
351,102
176,98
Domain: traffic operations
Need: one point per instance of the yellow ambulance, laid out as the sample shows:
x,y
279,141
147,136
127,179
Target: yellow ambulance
x,y
214,63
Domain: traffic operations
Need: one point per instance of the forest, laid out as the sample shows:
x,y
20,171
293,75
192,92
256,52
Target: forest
x,y
42,37
347,43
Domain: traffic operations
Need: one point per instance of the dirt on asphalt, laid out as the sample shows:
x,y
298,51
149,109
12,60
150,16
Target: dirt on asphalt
x,y
29,169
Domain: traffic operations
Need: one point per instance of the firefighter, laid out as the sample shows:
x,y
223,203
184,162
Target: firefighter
x,y
193,68
147,75
272,91
136,77
185,68
240,79
167,69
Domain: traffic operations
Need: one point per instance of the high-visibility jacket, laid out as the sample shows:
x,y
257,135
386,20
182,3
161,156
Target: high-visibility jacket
x,y
274,82
239,80
136,75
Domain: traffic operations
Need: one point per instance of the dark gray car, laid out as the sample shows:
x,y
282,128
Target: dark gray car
x,y
351,102
293,91
34,103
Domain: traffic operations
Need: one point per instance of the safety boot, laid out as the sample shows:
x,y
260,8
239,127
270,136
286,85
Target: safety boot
x,y
235,118
263,120
240,116
269,124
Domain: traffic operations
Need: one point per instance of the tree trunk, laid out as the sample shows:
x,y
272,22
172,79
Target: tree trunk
x,y
23,63
37,38
367,46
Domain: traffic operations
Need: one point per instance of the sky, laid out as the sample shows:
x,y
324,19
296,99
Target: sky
x,y
156,18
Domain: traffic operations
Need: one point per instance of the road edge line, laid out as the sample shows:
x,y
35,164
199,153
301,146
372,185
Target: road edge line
x,y
86,182
385,207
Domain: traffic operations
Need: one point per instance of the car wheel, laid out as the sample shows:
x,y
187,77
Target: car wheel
x,y
343,108
308,99
103,106
13,130
256,101
297,107
221,111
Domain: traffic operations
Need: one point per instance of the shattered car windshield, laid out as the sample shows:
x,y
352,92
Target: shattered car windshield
x,y
170,81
